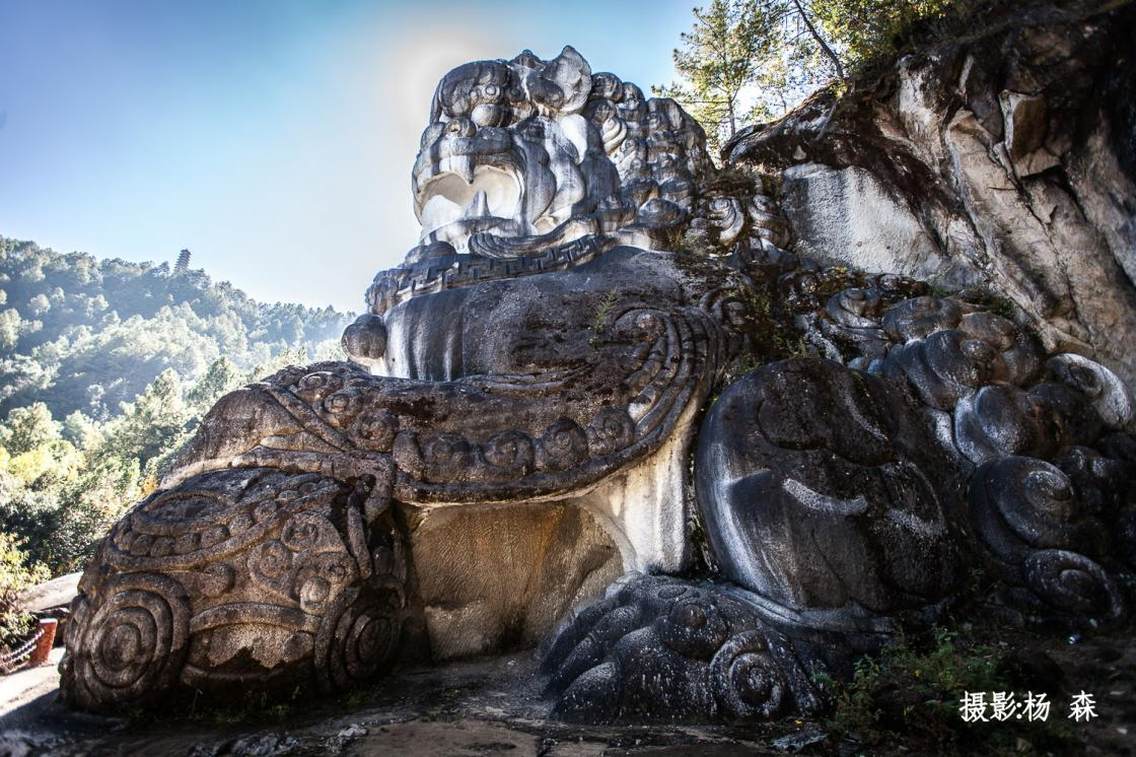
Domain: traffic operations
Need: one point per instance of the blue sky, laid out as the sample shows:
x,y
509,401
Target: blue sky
x,y
273,139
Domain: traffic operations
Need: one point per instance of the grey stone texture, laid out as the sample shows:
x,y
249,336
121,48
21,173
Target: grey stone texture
x,y
1006,161
606,387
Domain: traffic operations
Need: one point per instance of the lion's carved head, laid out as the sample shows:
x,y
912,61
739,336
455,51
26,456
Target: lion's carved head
x,y
531,148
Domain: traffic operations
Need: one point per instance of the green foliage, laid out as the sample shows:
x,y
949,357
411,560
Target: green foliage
x,y
15,577
63,485
863,29
720,56
130,358
603,310
771,334
152,423
750,61
747,61
81,431
911,693
223,376
58,498
9,328
27,428
82,334
250,707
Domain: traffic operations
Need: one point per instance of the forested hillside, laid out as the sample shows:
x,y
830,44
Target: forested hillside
x,y
82,334
106,367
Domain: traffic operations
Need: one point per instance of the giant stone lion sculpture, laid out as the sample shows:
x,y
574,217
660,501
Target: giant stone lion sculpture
x,y
602,407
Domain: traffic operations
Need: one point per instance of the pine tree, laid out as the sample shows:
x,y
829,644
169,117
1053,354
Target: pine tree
x,y
773,53
27,428
223,376
153,422
720,56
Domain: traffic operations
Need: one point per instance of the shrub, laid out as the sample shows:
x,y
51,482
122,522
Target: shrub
x,y
910,693
15,577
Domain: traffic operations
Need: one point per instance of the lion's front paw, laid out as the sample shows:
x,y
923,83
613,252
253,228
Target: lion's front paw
x,y
660,648
236,581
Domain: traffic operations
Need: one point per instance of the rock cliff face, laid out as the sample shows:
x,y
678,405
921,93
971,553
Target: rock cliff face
x,y
1006,161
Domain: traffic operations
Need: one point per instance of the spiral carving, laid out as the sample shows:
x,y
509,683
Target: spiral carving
x,y
341,408
1019,505
1001,420
661,648
945,367
374,430
745,678
920,317
854,307
693,627
446,456
511,451
562,445
295,577
1073,583
132,645
316,386
357,638
1098,384
726,214
270,563
611,430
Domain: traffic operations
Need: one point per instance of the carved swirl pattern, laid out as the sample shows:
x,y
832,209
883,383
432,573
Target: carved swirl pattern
x,y
1019,502
357,638
131,644
746,680
1073,583
658,648
693,627
249,577
1044,433
1040,438
421,445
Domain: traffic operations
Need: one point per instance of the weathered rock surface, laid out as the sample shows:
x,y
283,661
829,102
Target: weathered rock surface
x,y
817,486
662,649
248,574
518,425
58,592
1006,161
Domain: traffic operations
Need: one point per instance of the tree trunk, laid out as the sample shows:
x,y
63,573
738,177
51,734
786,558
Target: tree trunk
x,y
820,40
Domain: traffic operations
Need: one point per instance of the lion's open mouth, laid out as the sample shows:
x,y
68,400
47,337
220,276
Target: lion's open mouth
x,y
463,193
488,197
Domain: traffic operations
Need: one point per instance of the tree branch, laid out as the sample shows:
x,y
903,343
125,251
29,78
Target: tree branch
x,y
820,40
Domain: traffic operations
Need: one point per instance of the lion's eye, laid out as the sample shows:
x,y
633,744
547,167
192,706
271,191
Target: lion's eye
x,y
491,90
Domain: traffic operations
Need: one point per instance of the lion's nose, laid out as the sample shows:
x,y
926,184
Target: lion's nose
x,y
461,127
